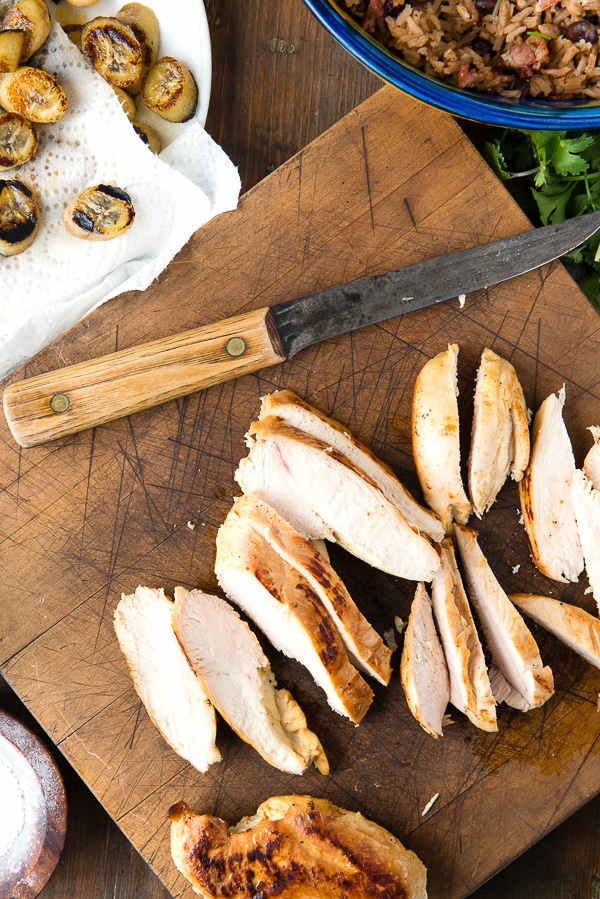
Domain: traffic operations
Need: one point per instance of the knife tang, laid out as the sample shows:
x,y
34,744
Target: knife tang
x,y
62,402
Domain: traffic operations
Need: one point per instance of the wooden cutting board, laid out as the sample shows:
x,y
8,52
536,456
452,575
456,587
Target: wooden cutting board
x,y
139,501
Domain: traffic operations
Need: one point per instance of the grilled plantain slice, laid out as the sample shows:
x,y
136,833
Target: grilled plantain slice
x,y
18,140
82,2
73,32
11,50
127,103
111,47
19,217
34,94
144,24
100,212
148,136
32,18
169,90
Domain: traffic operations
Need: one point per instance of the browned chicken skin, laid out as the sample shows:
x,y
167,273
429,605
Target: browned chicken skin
x,y
295,847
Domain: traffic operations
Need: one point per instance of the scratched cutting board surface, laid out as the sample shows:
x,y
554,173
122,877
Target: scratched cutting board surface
x,y
140,500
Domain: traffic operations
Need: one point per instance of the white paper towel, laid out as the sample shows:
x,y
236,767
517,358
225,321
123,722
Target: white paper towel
x,y
61,278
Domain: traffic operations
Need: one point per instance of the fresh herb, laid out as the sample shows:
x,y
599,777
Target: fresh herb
x,y
539,34
555,175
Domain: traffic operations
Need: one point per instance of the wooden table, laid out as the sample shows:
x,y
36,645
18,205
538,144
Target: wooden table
x,y
279,81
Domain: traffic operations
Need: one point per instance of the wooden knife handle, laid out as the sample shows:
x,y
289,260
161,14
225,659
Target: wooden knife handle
x,y
81,396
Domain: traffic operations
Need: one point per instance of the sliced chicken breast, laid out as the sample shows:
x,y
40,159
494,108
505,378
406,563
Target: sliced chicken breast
x,y
470,690
500,433
299,414
591,463
237,677
322,494
364,645
170,691
545,492
505,692
294,847
510,641
436,443
289,611
575,627
586,502
423,670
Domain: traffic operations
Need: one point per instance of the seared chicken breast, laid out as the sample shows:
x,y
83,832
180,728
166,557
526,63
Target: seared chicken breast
x,y
436,444
294,847
237,677
289,611
586,502
364,645
510,641
322,494
172,695
545,492
575,627
423,670
470,690
299,414
500,432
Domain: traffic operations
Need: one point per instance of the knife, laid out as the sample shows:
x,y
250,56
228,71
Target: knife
x,y
62,402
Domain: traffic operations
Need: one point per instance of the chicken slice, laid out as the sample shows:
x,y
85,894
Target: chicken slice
x,y
436,445
288,610
510,641
575,627
470,690
505,692
423,670
237,677
586,502
170,691
545,492
500,433
294,847
299,414
322,494
591,463
364,645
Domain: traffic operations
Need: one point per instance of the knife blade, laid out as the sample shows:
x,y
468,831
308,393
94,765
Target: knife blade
x,y
62,402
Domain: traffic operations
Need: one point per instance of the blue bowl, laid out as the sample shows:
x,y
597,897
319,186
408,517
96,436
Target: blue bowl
x,y
526,114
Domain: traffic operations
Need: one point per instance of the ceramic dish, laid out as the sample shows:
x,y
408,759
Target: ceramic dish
x,y
190,44
33,812
527,114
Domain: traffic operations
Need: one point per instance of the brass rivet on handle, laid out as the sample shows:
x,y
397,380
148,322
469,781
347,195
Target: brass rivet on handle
x,y
236,346
59,402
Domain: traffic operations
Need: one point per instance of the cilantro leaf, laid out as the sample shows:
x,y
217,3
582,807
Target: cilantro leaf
x,y
493,154
566,157
552,201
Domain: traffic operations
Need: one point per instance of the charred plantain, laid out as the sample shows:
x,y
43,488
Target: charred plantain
x,y
111,47
19,217
11,50
100,212
127,103
144,24
18,140
169,90
148,136
34,94
33,19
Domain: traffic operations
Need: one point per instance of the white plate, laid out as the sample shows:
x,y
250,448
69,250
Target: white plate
x,y
184,34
